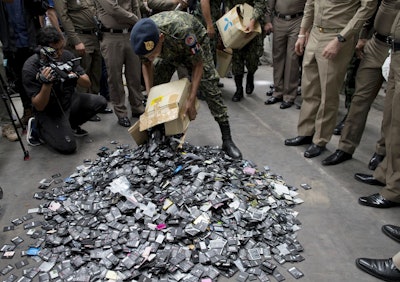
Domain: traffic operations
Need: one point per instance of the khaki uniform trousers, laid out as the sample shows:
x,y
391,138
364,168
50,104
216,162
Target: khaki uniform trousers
x,y
91,61
369,80
286,63
321,82
388,171
117,53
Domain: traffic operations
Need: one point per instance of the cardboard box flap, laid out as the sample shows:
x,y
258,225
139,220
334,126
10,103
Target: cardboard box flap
x,y
165,103
161,115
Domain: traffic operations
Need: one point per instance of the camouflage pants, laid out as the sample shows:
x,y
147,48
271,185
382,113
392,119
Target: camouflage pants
x,y
248,56
163,71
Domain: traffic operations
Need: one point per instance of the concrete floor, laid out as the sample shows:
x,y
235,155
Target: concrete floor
x,y
335,228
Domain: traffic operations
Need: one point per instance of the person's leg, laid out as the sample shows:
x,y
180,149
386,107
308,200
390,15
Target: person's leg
x,y
292,63
252,53
133,79
110,48
238,73
56,132
84,106
392,138
310,89
331,73
369,80
278,56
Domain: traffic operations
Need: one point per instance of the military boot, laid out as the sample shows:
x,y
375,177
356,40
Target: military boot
x,y
239,88
227,143
250,83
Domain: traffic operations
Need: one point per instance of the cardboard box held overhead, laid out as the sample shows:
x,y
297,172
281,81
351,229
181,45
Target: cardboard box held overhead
x,y
232,27
165,106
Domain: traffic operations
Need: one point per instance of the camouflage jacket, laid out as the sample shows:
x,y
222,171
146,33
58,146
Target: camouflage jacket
x,y
184,35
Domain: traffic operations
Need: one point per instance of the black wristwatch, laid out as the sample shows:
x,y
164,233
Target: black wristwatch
x,y
341,38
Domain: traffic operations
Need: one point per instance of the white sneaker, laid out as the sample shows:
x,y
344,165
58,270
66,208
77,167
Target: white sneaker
x,y
31,136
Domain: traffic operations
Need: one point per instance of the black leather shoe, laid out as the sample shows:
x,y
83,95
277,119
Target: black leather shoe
x,y
124,122
368,179
377,201
337,157
383,269
95,118
299,140
273,100
285,105
271,90
238,95
339,127
313,151
136,115
375,161
106,111
392,231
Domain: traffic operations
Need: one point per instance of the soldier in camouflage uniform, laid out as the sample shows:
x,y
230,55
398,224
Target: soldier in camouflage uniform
x,y
174,38
208,12
250,54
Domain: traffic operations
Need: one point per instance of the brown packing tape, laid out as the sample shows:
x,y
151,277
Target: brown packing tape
x,y
173,100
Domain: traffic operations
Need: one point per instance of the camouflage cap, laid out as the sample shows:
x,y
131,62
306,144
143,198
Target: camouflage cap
x,y
144,36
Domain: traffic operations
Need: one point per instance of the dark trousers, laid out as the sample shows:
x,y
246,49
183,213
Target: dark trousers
x,y
56,131
15,62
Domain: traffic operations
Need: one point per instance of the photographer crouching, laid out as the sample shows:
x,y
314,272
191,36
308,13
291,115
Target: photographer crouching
x,y
50,78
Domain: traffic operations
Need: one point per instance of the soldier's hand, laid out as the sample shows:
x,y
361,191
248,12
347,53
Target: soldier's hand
x,y
190,109
211,31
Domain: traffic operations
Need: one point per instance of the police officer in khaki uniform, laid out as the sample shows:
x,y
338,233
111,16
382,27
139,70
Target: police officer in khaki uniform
x,y
285,16
117,19
369,80
388,171
77,18
333,26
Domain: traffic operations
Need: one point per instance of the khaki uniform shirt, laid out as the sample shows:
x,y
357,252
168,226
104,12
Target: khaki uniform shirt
x,y
75,16
118,14
395,30
384,19
347,16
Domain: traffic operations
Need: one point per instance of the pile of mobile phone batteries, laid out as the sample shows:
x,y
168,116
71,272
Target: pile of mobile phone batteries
x,y
162,213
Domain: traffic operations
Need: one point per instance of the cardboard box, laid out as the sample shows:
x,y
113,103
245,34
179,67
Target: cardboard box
x,y
165,106
224,58
140,137
232,27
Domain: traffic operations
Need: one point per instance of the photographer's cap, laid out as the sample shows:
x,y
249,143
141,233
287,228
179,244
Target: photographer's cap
x,y
144,36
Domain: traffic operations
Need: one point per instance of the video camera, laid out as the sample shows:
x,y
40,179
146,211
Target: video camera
x,y
60,70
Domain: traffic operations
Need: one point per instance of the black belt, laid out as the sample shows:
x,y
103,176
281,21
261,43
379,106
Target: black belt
x,y
85,31
289,17
383,38
113,30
